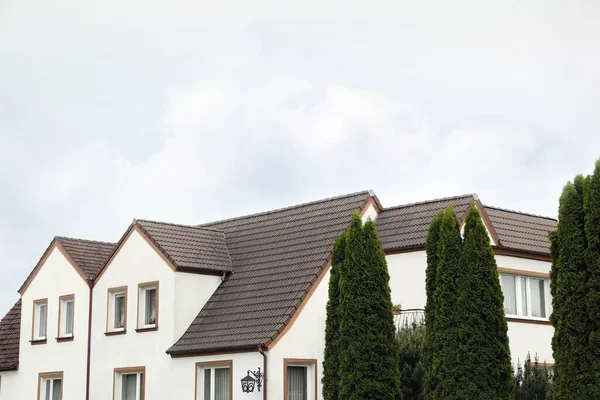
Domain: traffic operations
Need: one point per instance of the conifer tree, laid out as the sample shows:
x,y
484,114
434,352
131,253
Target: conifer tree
x,y
411,339
331,378
369,356
569,288
484,364
443,334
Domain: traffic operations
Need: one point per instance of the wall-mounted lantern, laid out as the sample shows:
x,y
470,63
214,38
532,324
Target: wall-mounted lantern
x,y
248,382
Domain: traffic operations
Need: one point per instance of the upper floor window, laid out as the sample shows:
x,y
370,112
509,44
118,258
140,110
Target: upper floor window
x,y
117,310
526,296
40,319
214,380
50,386
148,305
65,316
129,383
300,379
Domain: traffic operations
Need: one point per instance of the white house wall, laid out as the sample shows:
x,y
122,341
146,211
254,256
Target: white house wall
x,y
9,385
57,277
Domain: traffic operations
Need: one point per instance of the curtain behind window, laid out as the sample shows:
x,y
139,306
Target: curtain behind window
x,y
296,383
48,389
510,294
56,389
221,383
119,311
42,330
150,307
538,298
129,382
69,325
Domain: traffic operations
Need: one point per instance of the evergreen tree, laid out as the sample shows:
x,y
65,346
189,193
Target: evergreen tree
x,y
442,334
431,244
569,317
484,368
369,356
533,381
332,325
411,338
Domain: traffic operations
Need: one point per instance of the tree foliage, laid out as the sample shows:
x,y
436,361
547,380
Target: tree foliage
x,y
411,338
533,380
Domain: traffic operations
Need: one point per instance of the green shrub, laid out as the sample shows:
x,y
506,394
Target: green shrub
x,y
411,339
533,381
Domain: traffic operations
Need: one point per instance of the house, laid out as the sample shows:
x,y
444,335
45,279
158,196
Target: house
x,y
234,308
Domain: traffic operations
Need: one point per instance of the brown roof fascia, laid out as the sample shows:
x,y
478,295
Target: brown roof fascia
x,y
54,243
214,352
488,223
502,251
315,284
135,227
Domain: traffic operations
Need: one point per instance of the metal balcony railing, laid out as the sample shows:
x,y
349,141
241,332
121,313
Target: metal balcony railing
x,y
409,317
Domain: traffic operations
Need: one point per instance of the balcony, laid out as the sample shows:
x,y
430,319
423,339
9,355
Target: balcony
x,y
409,317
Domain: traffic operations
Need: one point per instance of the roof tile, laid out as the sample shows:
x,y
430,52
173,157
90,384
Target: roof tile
x,y
10,330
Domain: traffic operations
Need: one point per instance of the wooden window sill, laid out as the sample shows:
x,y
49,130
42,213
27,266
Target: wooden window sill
x,y
38,341
142,330
64,339
115,333
528,321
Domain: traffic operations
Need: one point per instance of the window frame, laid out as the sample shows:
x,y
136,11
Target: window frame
x,y
110,329
212,365
65,337
47,375
301,362
35,339
528,275
117,372
141,308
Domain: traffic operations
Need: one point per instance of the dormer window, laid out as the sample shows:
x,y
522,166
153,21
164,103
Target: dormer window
x,y
117,310
40,319
148,306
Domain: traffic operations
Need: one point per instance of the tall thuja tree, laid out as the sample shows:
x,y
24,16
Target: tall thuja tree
x,y
432,260
569,286
369,358
591,207
445,343
331,379
484,364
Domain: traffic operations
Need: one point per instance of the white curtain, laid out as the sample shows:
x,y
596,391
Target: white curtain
x,y
119,311
48,389
129,387
56,389
538,298
150,307
296,383
69,324
221,383
42,330
207,384
510,294
524,296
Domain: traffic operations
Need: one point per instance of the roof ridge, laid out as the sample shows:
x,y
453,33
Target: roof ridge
x,y
275,210
57,237
520,212
473,195
181,225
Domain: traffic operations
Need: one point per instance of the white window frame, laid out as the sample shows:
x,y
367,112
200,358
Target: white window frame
x,y
63,316
139,372
519,298
39,307
113,293
52,377
201,367
143,288
311,375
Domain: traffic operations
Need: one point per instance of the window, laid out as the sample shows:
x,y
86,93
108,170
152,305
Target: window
x,y
148,306
50,386
129,383
65,316
40,319
526,296
214,380
300,380
117,310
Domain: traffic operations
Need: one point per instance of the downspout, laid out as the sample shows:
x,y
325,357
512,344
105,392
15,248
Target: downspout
x,y
89,344
261,351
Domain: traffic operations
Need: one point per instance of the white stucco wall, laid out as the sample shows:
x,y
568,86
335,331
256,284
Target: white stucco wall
x,y
57,277
9,385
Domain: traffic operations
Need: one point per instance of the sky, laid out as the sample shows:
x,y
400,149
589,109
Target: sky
x,y
190,111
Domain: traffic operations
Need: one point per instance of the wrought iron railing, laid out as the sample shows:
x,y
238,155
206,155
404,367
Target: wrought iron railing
x,y
409,317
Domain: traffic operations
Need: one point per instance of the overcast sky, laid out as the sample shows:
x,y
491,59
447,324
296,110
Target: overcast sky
x,y
189,111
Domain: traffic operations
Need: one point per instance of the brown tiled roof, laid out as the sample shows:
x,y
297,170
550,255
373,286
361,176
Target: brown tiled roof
x,y
406,226
189,246
520,231
276,256
10,329
90,255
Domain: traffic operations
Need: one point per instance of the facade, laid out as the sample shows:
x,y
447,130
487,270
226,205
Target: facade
x,y
234,308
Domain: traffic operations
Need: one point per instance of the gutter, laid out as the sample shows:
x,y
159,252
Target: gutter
x,y
261,351
89,345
